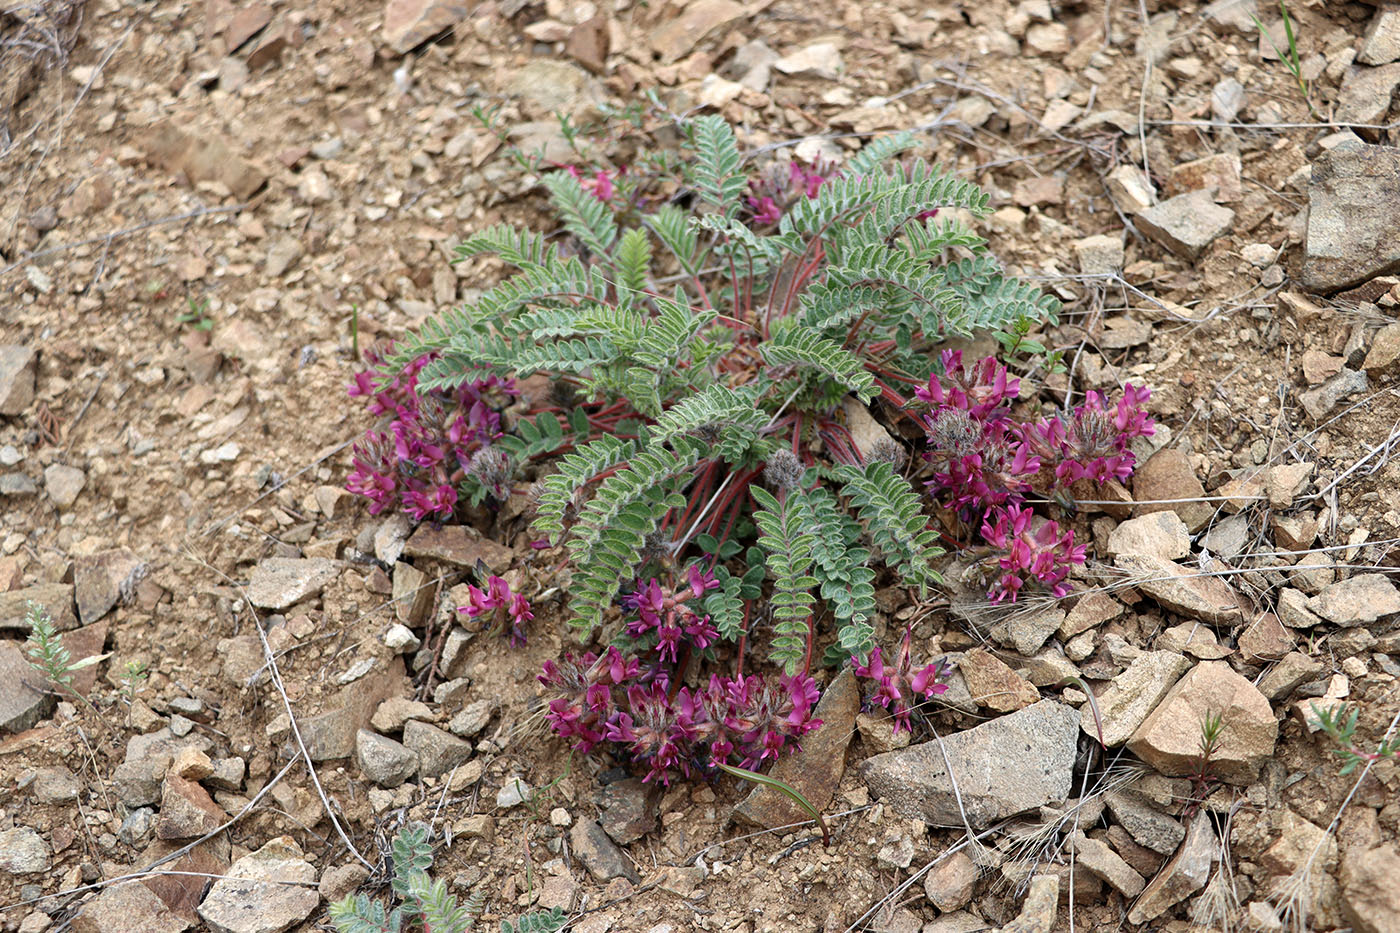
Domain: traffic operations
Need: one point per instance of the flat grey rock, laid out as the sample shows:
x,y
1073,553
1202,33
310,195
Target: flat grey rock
x,y
1353,211
279,582
1003,767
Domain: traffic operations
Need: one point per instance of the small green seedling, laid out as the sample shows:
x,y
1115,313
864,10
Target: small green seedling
x,y
1340,726
47,652
1290,57
197,316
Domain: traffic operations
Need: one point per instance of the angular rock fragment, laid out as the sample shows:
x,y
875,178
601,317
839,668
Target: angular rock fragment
x,y
1353,200
1006,766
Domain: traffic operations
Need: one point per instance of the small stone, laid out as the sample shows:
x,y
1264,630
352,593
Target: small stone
x,y
629,809
1039,190
1170,738
1319,402
282,255
23,700
341,881
1187,223
1285,483
400,638
269,891
206,157
410,23
678,35
1133,694
1370,896
1190,593
1048,38
472,718
63,483
715,92
560,817
17,485
1292,670
1265,639
390,537
1384,350
384,761
192,764
1226,100
1038,910
438,751
1381,43
1091,611
313,187
1227,539
128,908
820,60
1156,534
1168,475
391,715
55,785
1217,174
1365,97
1184,875
23,851
599,854
186,810
752,65
1102,861
17,367
949,883
227,774
137,826
1318,367
994,685
1259,255
459,545
1099,255
1360,600
914,781
1194,639
1130,189
280,582
1232,15
513,793
1352,197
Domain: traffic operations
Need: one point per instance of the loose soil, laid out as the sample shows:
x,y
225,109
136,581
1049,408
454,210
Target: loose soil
x,y
203,450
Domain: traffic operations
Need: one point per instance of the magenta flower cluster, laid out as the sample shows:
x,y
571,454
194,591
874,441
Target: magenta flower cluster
x,y
773,190
667,616
506,613
985,462
897,685
611,699
633,702
432,442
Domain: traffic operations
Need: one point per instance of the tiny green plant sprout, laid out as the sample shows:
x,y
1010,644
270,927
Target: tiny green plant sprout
x,y
425,905
46,650
1339,724
1289,56
710,336
197,316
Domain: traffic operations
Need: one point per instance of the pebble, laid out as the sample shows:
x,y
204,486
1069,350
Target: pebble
x,y
513,793
104,579
438,751
1360,600
1132,695
21,705
127,908
472,718
1226,100
1149,827
280,582
457,544
819,60
1099,255
1170,737
1365,98
816,770
1349,224
1370,896
1157,534
1183,590
63,484
629,809
16,485
1187,223
1183,876
1319,402
1096,856
55,785
384,761
599,854
23,851
948,885
268,891
914,781
17,367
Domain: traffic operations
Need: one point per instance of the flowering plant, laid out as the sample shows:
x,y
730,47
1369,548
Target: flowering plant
x,y
986,463
434,442
506,611
897,685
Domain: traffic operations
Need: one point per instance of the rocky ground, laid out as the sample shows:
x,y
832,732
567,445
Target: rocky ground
x,y
198,194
